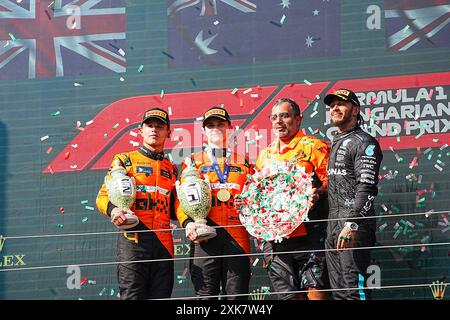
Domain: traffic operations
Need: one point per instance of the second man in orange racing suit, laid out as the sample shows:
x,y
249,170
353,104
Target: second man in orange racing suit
x,y
227,173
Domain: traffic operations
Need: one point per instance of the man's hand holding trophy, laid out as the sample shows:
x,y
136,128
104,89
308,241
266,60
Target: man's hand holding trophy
x,y
121,190
195,198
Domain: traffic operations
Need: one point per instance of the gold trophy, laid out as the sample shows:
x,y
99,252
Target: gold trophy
x,y
121,190
195,198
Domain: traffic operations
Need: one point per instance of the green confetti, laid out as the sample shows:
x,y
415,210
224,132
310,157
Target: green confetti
x,y
12,36
105,135
141,67
84,201
315,106
89,208
102,292
85,219
54,114
307,82
420,134
382,227
419,224
282,19
311,130
115,126
111,293
59,225
161,94
234,91
425,239
414,235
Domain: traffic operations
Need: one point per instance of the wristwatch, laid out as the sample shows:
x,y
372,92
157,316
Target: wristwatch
x,y
352,226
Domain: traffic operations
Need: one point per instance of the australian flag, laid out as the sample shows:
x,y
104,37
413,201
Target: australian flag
x,y
220,32
417,24
46,38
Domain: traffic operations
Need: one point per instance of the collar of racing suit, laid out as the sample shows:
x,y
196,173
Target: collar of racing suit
x,y
345,133
151,154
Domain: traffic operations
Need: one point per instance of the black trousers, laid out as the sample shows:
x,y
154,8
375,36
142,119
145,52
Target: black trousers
x,y
209,275
348,268
143,280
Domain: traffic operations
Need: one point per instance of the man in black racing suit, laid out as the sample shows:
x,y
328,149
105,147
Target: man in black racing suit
x,y
353,168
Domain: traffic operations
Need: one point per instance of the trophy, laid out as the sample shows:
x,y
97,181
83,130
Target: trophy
x,y
195,198
121,190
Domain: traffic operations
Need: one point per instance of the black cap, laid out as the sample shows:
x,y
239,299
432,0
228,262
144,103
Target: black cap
x,y
156,113
216,112
342,94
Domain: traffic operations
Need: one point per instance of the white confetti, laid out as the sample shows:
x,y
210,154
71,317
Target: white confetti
x,y
122,53
134,134
44,138
89,122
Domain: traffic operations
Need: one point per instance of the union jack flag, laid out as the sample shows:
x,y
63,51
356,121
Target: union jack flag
x,y
417,24
45,38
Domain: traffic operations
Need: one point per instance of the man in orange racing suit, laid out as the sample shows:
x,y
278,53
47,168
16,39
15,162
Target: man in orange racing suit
x,y
227,173
155,179
298,271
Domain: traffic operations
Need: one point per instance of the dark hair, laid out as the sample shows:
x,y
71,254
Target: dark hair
x,y
292,103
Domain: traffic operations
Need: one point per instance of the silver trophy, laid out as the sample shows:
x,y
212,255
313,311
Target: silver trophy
x,y
195,198
121,190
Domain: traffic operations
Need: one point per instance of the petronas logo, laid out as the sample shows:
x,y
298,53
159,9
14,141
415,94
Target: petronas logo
x,y
2,242
438,289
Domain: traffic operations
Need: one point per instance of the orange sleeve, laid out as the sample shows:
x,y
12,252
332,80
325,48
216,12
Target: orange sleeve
x,y
261,159
319,158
